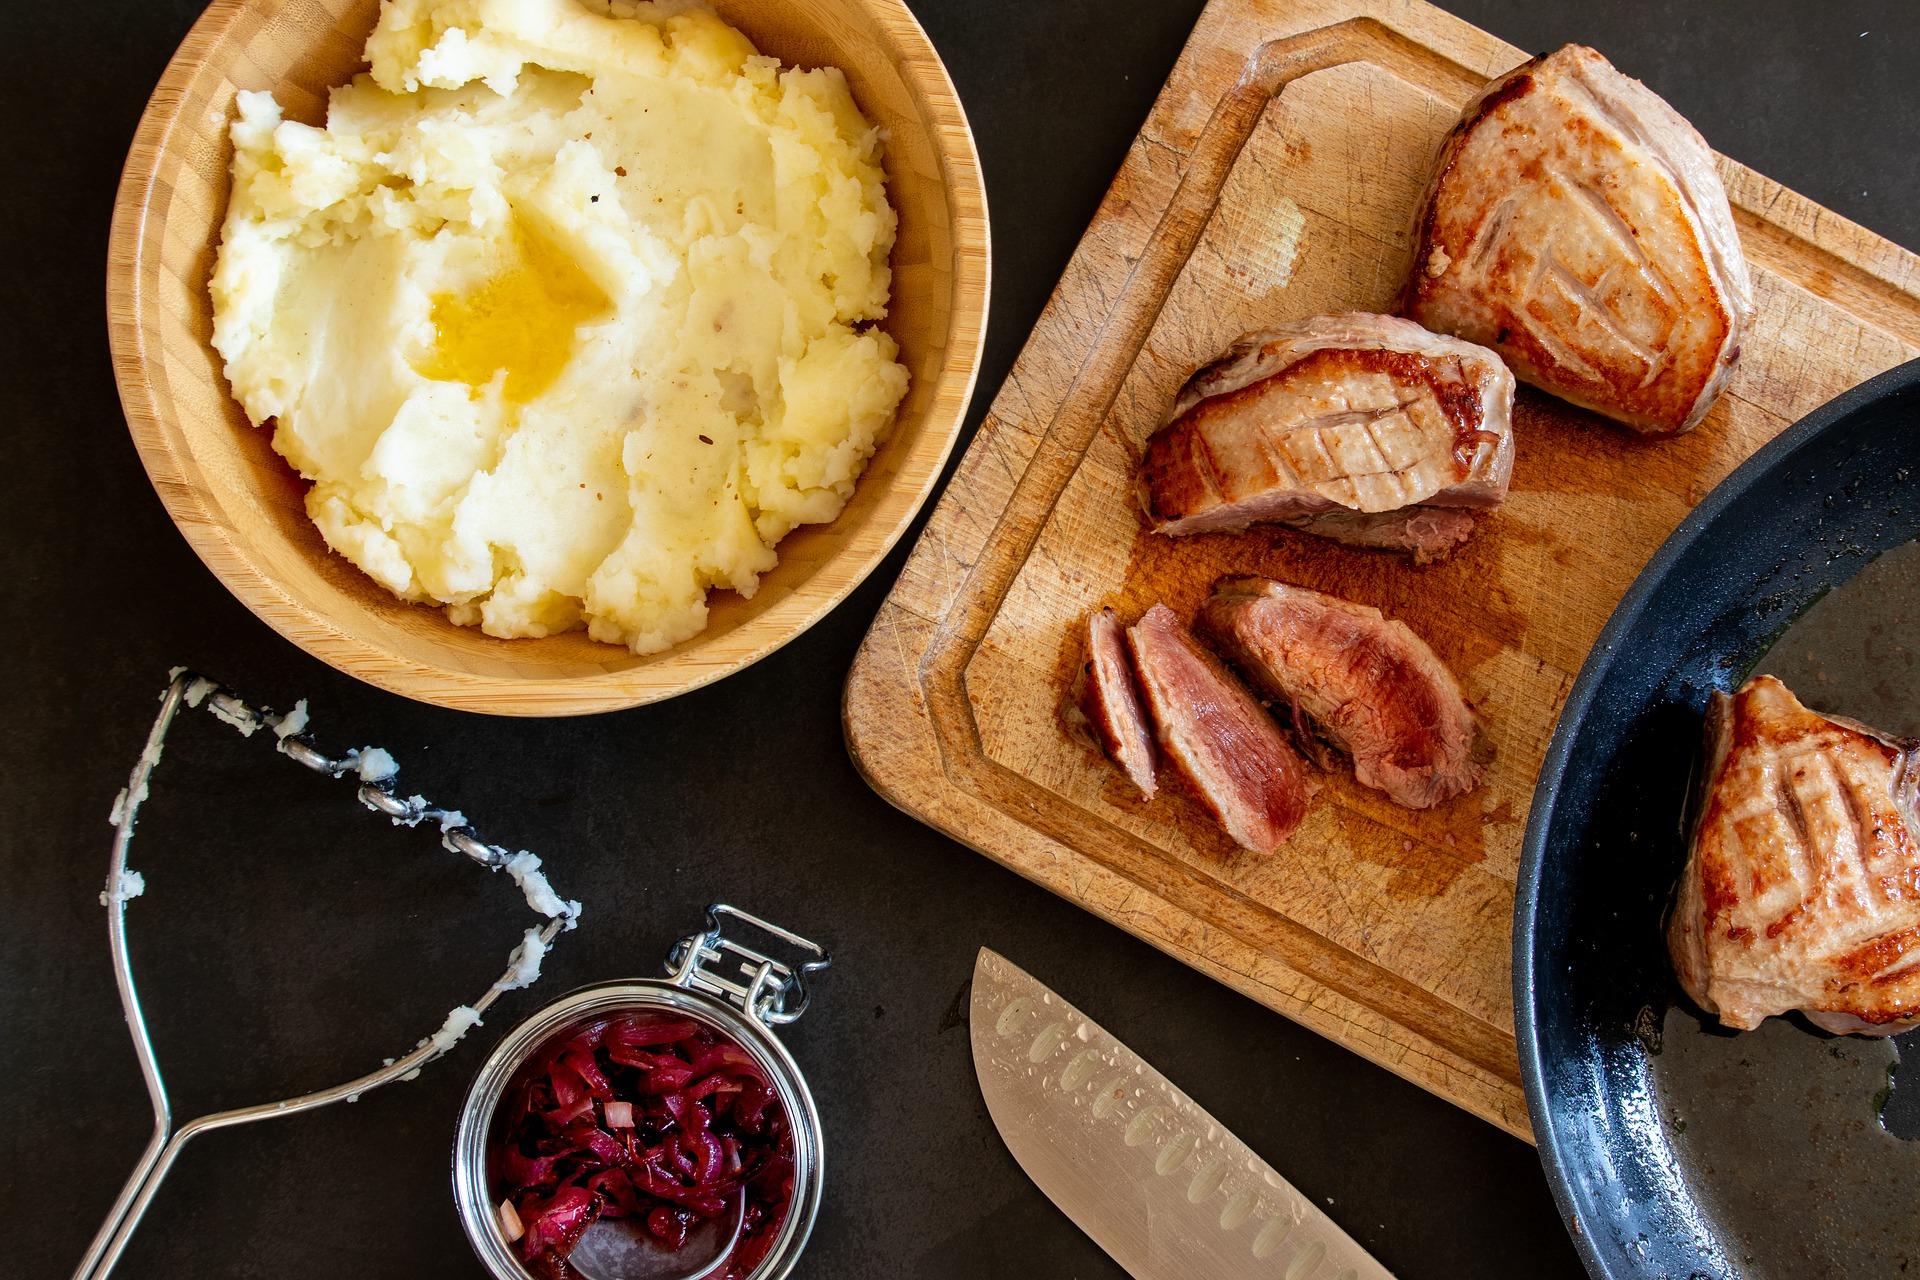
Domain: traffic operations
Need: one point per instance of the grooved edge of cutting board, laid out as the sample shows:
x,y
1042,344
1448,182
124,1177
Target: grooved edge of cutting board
x,y
1384,930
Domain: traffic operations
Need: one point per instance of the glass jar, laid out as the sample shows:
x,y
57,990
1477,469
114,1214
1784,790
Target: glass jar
x,y
737,991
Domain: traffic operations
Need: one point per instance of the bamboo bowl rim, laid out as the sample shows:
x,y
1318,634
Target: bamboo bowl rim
x,y
618,679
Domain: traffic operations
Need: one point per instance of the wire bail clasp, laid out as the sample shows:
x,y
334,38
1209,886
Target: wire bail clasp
x,y
755,983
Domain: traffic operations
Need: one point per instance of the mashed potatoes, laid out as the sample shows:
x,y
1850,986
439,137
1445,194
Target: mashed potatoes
x,y
566,311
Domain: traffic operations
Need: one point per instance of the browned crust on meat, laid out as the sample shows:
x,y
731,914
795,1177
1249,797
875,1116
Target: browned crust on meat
x,y
1776,958
1514,85
1178,475
1666,399
1174,480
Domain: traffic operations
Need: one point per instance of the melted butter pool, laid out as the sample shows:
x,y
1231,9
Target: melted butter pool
x,y
522,318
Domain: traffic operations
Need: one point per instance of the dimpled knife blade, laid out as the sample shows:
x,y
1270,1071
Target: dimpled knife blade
x,y
1137,1164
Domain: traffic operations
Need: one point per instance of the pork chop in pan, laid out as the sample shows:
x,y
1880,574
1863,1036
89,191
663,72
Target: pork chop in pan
x,y
1801,890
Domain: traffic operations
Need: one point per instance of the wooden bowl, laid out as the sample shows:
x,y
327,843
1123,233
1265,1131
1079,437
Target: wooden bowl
x,y
239,504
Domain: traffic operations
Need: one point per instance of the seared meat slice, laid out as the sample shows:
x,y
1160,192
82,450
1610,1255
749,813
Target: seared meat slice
x,y
1430,533
1576,224
1106,704
1239,763
1350,426
1802,888
1364,682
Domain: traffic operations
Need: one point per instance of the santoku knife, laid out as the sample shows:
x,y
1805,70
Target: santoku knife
x,y
1137,1164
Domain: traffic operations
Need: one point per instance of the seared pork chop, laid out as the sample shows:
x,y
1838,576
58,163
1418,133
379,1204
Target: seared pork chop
x,y
1802,887
1576,224
1106,704
1230,751
1366,683
1363,428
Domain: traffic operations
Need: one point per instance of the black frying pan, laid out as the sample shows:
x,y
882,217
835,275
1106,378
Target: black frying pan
x,y
1676,1149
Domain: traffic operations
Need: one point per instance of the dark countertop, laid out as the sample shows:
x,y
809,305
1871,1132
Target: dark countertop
x,y
289,939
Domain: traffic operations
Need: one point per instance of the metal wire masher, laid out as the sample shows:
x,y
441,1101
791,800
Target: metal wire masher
x,y
377,793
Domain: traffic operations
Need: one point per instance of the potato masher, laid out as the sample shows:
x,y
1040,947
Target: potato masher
x,y
376,771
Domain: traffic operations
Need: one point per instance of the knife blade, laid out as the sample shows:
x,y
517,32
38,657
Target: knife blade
x,y
1139,1166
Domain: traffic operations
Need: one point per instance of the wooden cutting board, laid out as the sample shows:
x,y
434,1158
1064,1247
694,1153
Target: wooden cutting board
x,y
1276,178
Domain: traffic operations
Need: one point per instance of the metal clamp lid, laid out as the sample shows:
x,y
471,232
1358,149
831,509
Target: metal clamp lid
x,y
758,985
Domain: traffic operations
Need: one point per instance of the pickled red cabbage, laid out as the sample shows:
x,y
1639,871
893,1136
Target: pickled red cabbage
x,y
645,1116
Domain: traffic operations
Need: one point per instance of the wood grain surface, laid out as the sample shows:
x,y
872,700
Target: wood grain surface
x,y
240,505
1277,177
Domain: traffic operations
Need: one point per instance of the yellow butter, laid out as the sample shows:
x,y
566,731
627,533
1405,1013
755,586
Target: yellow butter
x,y
519,321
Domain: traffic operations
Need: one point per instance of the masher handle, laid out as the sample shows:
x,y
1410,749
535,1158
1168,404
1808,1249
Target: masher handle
x,y
111,1240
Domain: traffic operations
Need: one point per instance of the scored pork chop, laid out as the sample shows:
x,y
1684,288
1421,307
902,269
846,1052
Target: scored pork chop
x,y
1576,224
1365,682
1232,754
1363,428
1802,886
1106,704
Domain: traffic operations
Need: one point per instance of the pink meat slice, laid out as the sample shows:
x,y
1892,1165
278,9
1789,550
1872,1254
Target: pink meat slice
x,y
1107,705
1236,759
1428,534
1365,682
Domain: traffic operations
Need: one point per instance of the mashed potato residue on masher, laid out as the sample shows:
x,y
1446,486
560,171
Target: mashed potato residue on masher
x,y
567,312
